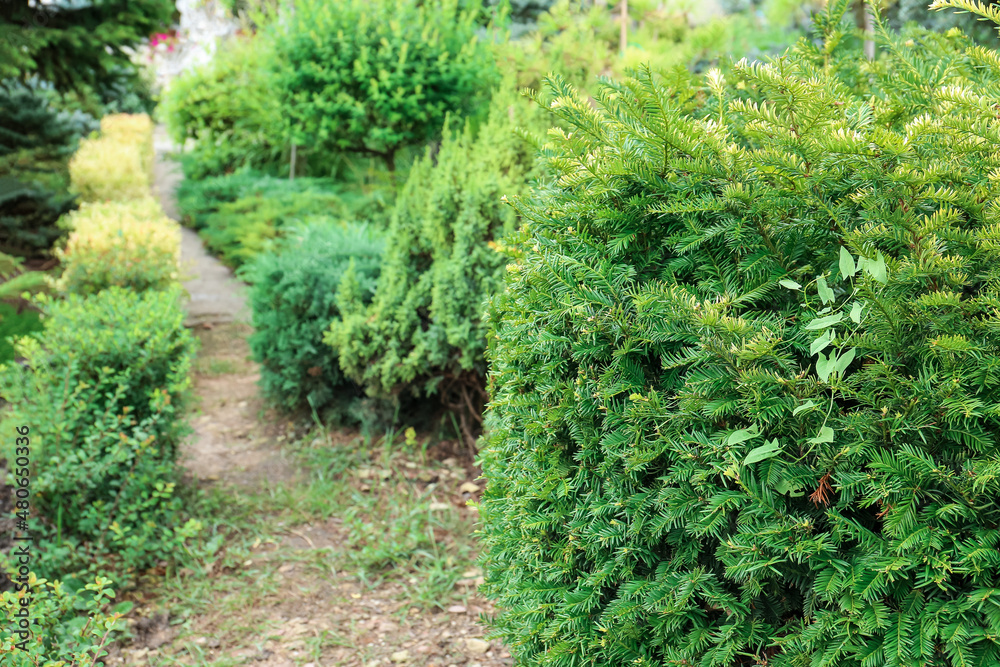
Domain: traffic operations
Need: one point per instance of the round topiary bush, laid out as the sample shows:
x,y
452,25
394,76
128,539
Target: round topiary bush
x,y
373,76
298,287
745,378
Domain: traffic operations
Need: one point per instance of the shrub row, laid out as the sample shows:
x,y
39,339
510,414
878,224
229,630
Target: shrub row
x,y
129,244
103,386
103,390
745,378
333,315
238,215
118,164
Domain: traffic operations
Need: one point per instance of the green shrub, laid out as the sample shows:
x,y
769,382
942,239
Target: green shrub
x,y
229,109
64,625
423,327
745,379
294,298
129,244
373,76
581,44
36,141
102,390
239,214
29,212
197,198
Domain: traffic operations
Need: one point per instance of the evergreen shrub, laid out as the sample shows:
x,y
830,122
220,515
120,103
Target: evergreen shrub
x,y
116,165
745,378
239,214
423,327
373,76
29,216
229,110
294,295
36,142
103,391
125,243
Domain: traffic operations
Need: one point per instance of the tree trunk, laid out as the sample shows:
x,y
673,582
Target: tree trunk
x,y
624,35
863,19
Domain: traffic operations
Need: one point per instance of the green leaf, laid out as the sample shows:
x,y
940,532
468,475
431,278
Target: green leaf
x,y
785,486
825,435
736,437
856,312
790,284
825,293
123,607
847,266
820,343
823,367
804,406
876,269
824,322
844,360
765,451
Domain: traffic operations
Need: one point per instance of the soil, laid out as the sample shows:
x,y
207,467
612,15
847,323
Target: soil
x,y
307,612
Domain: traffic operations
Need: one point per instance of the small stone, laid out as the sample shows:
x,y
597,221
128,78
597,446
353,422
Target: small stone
x,y
457,609
200,641
400,656
476,646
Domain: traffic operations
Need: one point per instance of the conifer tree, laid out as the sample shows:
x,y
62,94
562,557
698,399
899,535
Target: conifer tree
x,y
422,334
745,378
75,45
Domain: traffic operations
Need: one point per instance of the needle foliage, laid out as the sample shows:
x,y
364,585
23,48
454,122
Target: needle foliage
x,y
745,378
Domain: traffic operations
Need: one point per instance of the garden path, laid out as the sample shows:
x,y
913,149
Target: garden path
x,y
328,550
216,296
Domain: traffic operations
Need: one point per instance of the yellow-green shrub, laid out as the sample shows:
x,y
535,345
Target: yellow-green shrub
x,y
134,129
127,243
118,164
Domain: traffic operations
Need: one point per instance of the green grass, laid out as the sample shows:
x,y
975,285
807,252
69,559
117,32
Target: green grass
x,y
388,534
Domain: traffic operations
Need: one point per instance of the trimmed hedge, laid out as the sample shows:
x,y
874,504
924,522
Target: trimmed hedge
x,y
745,378
116,165
103,390
126,243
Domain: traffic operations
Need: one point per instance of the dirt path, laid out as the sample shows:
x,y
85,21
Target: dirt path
x,y
321,548
215,295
